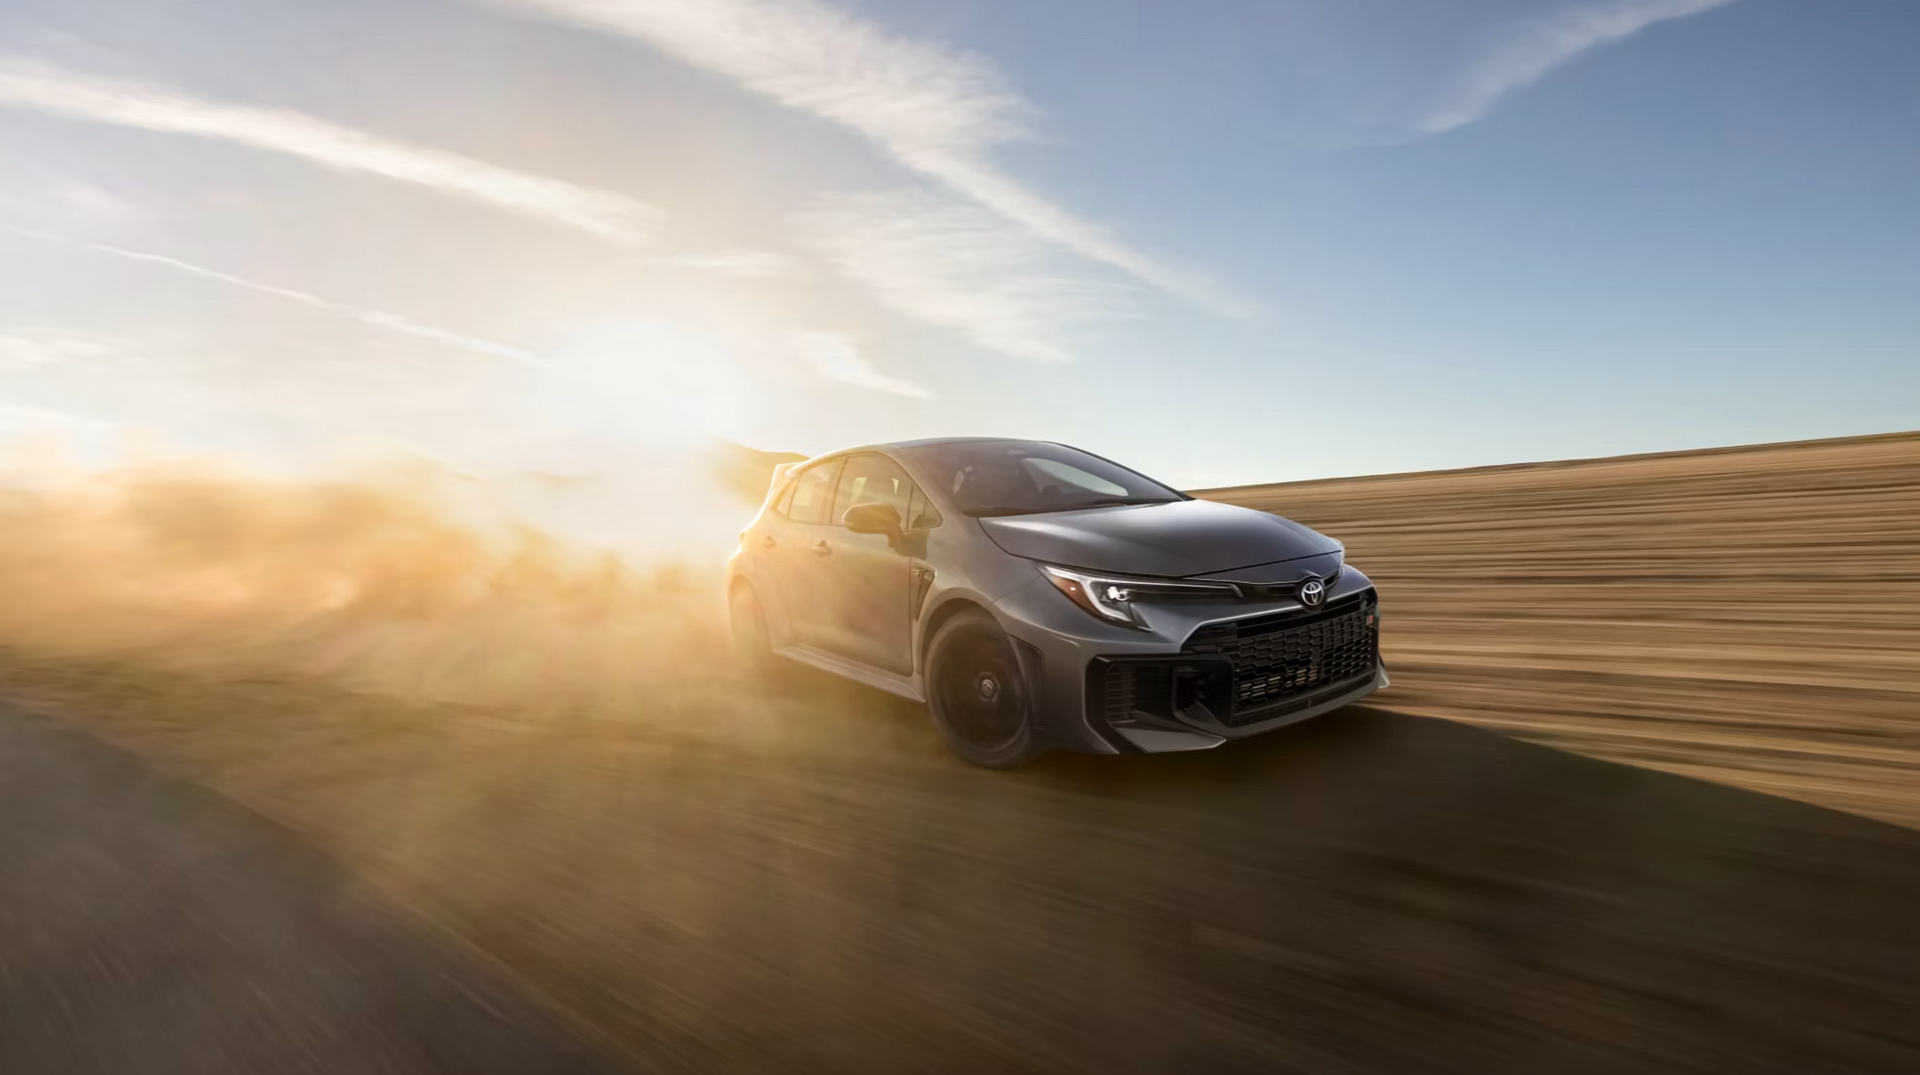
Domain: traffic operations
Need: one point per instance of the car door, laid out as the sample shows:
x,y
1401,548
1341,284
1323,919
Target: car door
x,y
866,578
800,547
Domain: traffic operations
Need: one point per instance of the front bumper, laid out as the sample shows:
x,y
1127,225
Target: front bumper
x,y
1241,677
1187,730
1199,678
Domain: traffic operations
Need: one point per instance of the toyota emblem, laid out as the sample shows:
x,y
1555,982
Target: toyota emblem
x,y
1312,592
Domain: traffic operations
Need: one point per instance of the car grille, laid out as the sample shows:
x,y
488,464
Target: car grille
x,y
1122,691
1278,659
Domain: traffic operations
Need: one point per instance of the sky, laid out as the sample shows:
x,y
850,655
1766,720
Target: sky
x,y
1223,242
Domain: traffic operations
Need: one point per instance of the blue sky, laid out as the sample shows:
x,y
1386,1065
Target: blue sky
x,y
1224,242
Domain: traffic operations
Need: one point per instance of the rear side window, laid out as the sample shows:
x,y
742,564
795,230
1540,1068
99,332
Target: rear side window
x,y
813,493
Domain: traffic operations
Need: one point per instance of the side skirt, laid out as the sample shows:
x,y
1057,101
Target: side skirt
x,y
907,687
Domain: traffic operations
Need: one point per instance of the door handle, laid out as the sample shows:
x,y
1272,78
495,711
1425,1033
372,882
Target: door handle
x,y
821,548
767,540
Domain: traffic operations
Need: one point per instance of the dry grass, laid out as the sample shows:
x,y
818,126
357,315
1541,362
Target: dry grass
x,y
1750,615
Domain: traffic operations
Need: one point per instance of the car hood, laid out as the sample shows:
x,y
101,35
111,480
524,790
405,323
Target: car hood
x,y
1187,537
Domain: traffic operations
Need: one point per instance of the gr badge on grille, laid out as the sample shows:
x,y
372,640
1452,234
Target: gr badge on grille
x,y
1312,593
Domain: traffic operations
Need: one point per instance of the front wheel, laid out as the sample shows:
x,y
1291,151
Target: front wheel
x,y
978,694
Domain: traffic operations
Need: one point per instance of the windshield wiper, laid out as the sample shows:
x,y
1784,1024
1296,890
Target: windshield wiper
x,y
1106,500
988,513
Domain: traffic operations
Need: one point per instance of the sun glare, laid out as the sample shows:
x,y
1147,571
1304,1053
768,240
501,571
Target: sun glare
x,y
649,381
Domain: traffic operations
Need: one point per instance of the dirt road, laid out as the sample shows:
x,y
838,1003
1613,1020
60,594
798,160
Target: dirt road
x,y
1370,893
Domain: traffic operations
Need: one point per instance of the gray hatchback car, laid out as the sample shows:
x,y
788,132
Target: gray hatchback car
x,y
1036,596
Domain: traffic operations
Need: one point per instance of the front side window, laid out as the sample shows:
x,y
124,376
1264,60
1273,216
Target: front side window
x,y
1024,477
813,493
870,479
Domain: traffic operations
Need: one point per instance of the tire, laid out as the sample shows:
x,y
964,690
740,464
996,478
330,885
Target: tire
x,y
751,643
978,694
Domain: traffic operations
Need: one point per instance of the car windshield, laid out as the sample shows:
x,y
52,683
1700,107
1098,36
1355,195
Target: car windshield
x,y
1023,477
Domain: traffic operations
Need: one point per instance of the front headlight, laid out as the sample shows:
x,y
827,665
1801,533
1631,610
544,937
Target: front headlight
x,y
1112,597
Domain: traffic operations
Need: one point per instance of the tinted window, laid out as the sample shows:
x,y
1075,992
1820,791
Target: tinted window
x,y
786,499
1024,477
871,479
813,493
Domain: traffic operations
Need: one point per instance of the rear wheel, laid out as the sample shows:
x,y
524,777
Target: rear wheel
x,y
978,695
751,643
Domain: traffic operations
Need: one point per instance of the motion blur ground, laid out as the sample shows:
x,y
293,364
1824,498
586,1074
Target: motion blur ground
x,y
1380,893
706,876
154,928
1747,615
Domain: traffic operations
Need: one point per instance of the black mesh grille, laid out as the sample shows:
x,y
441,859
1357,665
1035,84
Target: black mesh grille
x,y
1278,659
1121,690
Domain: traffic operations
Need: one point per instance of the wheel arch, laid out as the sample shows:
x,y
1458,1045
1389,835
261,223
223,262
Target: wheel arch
x,y
946,610
773,611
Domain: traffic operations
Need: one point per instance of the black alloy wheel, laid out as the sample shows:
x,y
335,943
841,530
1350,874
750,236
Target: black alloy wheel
x,y
978,693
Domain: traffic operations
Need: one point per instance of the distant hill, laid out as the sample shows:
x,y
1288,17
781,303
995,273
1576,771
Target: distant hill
x,y
747,472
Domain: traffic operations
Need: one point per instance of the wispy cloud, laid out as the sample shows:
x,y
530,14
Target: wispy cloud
x,y
1545,42
738,264
32,345
32,85
837,359
365,315
935,110
16,418
91,204
827,355
951,264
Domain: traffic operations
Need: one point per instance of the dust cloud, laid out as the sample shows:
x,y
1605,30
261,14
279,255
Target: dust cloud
x,y
407,578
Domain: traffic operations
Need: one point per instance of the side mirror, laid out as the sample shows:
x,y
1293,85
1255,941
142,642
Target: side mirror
x,y
874,518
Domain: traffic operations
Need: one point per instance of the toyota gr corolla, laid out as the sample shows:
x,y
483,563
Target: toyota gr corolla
x,y
1036,596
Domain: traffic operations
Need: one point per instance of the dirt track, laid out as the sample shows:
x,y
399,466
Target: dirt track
x,y
708,880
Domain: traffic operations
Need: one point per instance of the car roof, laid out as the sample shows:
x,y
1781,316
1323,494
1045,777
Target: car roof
x,y
922,443
956,440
